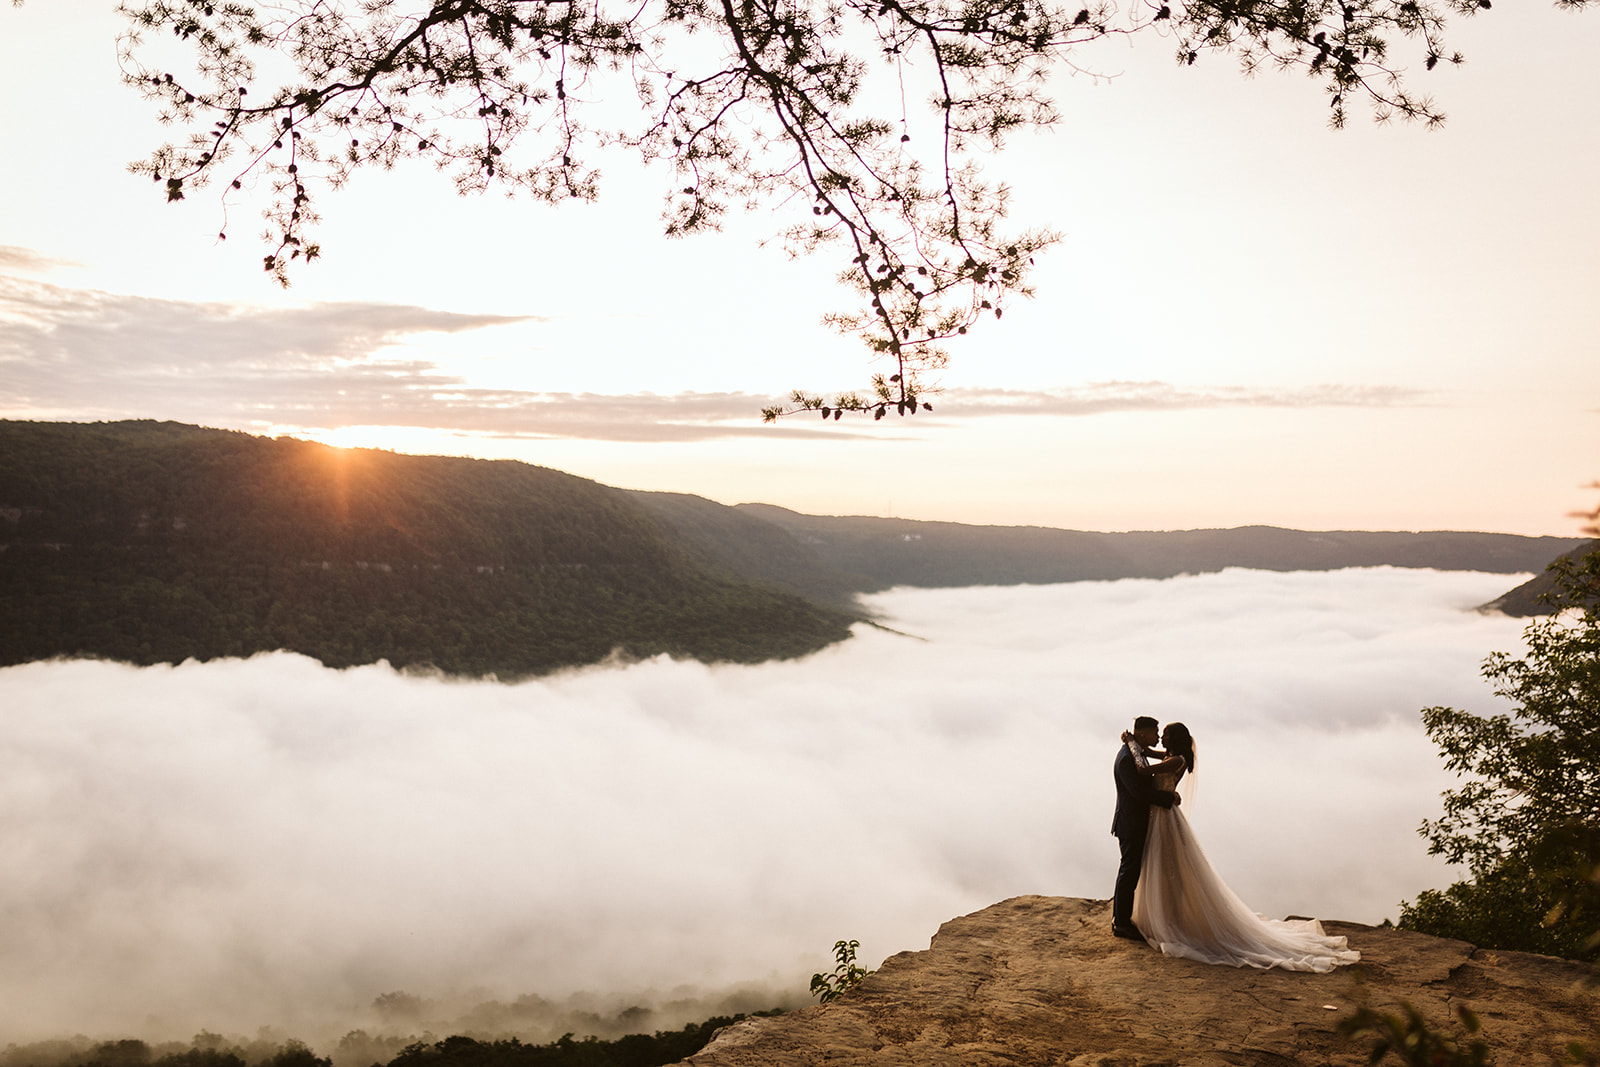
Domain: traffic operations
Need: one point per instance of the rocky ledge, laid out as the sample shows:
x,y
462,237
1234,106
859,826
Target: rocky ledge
x,y
1041,981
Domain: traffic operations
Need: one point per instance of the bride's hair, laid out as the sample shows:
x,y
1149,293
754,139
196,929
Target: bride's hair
x,y
1180,743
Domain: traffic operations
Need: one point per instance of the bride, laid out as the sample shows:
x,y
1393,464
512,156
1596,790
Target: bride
x,y
1183,908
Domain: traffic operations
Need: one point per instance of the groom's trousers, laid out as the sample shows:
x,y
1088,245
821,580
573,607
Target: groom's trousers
x,y
1132,845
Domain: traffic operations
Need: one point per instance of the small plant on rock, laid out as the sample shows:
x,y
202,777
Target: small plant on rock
x,y
846,974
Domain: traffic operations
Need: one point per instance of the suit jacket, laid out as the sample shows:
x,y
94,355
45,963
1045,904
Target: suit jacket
x,y
1135,793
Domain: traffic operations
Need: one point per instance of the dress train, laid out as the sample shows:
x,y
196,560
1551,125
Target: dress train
x,y
1183,908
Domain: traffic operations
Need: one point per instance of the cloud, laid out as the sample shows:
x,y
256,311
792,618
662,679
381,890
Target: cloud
x,y
84,354
1102,397
105,352
88,354
13,258
267,842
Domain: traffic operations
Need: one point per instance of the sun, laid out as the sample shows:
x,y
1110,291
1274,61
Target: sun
x,y
410,440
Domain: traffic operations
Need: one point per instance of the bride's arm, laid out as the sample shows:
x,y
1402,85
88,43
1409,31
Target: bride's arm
x,y
1128,738
1168,763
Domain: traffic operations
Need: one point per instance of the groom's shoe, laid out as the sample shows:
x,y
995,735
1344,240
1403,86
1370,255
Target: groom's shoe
x,y
1127,930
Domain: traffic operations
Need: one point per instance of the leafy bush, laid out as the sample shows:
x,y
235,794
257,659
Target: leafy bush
x,y
1409,1037
1527,821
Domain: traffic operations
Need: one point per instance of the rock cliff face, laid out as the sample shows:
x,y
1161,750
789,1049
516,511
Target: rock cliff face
x,y
1041,981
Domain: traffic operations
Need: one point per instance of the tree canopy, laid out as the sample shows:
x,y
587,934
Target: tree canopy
x,y
1526,822
801,105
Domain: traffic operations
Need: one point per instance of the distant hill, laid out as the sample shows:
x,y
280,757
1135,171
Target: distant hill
x,y
734,541
157,542
1530,598
909,552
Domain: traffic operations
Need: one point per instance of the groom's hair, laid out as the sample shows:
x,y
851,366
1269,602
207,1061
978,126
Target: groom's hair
x,y
1144,722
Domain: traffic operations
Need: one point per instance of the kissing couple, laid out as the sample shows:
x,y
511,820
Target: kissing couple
x,y
1167,894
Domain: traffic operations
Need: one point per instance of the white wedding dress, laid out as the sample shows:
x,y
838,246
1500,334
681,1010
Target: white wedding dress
x,y
1184,909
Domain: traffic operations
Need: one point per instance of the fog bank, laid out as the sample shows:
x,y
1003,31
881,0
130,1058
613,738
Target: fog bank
x,y
268,842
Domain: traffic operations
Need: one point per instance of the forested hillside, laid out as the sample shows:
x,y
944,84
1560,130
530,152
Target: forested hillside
x,y
908,552
157,542
734,541
1531,597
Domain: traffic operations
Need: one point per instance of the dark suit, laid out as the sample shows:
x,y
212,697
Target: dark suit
x,y
1131,823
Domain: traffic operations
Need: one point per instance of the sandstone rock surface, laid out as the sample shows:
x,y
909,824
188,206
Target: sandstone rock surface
x,y
1040,981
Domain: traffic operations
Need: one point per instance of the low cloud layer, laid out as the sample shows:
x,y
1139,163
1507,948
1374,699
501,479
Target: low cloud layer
x,y
1100,398
268,842
81,354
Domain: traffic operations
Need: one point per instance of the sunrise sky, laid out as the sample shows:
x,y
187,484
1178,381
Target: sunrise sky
x,y
1249,319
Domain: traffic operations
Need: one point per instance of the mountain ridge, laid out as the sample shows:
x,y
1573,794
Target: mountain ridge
x,y
158,542
1532,596
932,553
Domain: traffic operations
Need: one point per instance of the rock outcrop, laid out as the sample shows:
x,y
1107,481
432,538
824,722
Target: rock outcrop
x,y
1040,981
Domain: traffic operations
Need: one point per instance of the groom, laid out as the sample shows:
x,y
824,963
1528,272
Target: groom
x,y
1135,793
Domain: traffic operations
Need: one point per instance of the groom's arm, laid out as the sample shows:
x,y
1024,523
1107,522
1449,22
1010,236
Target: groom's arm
x,y
1126,772
1136,781
1131,780
1141,753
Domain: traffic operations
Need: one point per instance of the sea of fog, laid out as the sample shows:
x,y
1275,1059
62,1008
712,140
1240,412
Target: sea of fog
x,y
269,843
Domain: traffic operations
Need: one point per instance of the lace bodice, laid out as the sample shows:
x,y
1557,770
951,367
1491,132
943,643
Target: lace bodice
x,y
1168,779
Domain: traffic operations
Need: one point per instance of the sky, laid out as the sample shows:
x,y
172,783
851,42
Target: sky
x,y
1250,318
271,843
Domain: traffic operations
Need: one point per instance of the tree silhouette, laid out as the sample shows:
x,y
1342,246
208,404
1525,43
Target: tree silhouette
x,y
775,102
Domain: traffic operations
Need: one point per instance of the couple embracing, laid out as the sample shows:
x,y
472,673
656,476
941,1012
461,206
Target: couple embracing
x,y
1168,895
